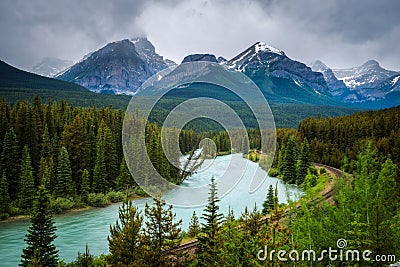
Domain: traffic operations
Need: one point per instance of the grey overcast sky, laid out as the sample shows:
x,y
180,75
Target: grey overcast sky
x,y
341,33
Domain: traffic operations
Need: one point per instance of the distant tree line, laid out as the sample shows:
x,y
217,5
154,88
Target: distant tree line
x,y
335,141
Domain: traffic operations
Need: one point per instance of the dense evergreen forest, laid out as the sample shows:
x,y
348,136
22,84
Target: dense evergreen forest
x,y
55,156
333,140
78,151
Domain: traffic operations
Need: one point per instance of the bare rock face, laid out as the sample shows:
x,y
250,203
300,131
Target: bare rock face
x,y
117,68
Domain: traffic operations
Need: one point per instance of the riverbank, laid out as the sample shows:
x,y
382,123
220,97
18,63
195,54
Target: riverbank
x,y
319,181
70,211
66,206
26,217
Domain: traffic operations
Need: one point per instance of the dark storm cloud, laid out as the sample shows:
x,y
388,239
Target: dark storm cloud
x,y
65,29
355,21
340,33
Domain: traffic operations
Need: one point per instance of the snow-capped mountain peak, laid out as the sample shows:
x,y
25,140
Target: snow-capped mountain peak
x,y
260,52
267,65
263,47
368,74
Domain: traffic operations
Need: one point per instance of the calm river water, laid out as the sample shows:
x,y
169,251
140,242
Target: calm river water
x,y
75,229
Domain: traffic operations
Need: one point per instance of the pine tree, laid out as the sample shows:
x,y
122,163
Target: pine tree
x,y
26,182
252,221
113,162
90,148
10,162
64,186
383,210
35,132
289,161
41,233
4,118
210,215
100,177
304,162
194,226
125,178
276,215
47,148
46,178
47,159
269,201
4,197
161,233
125,237
207,239
85,186
74,139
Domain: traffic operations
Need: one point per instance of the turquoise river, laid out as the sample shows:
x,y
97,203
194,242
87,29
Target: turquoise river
x,y
75,229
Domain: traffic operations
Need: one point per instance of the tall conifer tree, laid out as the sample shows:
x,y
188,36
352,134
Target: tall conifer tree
x,y
64,185
41,234
304,162
269,201
26,182
207,240
85,186
289,161
194,226
4,196
124,241
100,177
10,162
161,233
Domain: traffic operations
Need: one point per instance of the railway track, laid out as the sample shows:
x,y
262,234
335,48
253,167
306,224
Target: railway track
x,y
185,246
191,245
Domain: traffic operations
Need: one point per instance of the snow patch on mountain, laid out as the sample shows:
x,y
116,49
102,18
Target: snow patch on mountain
x,y
261,47
233,63
368,74
395,80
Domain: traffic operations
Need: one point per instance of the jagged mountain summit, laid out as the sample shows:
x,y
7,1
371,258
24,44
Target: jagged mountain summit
x,y
147,53
117,68
365,84
336,87
50,66
368,75
280,78
121,67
